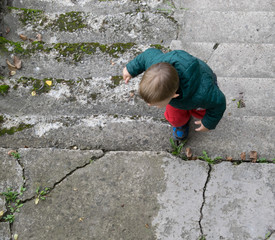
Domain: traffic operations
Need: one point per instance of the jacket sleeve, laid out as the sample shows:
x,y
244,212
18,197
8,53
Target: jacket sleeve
x,y
214,109
143,61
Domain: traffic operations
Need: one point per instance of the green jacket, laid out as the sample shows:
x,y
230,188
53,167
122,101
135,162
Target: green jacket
x,y
197,82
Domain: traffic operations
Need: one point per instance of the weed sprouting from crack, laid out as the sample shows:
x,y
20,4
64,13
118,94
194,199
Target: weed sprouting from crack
x,y
176,148
13,203
208,159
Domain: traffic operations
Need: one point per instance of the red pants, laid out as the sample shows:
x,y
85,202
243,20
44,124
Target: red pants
x,y
178,117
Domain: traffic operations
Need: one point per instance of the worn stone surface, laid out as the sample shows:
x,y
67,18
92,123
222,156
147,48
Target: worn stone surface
x,y
136,195
11,172
226,29
244,60
113,198
5,231
142,27
180,203
220,5
239,202
45,167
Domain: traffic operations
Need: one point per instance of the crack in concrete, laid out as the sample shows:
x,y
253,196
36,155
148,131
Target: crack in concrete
x,y
215,47
203,195
55,184
66,176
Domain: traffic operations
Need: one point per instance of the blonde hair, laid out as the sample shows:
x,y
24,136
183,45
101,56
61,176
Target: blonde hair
x,y
159,82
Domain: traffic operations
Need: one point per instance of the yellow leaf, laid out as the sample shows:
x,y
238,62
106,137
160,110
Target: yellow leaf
x,y
33,93
36,201
15,236
1,213
49,82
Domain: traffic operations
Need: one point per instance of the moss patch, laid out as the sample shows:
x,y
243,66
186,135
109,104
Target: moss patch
x,y
74,51
4,89
69,22
160,47
38,85
29,16
16,46
13,130
116,80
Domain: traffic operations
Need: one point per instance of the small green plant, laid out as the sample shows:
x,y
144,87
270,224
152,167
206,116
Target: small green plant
x,y
202,238
262,160
9,218
41,194
208,159
14,204
16,155
176,149
268,235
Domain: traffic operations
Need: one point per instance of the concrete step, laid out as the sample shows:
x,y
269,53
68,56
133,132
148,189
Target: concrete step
x,y
74,27
71,61
238,60
100,7
85,60
222,27
83,97
232,136
139,195
224,6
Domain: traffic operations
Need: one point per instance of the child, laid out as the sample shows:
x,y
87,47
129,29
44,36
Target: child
x,y
183,84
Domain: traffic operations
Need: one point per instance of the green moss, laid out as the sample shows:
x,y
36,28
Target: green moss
x,y
75,51
160,47
4,89
70,21
12,130
38,85
2,77
94,96
119,48
1,119
116,80
29,16
16,46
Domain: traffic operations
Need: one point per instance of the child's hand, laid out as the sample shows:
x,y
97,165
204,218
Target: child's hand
x,y
126,75
201,128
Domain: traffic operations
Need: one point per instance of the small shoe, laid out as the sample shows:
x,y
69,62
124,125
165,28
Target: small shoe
x,y
181,133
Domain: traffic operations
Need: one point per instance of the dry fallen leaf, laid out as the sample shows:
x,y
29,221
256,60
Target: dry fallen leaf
x,y
146,225
17,62
112,63
188,153
253,156
12,73
243,156
8,30
36,201
229,158
33,93
10,66
1,213
15,236
31,40
23,37
49,82
39,37
11,152
194,158
80,219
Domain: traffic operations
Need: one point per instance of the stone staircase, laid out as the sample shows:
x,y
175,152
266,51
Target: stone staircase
x,y
69,95
86,44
